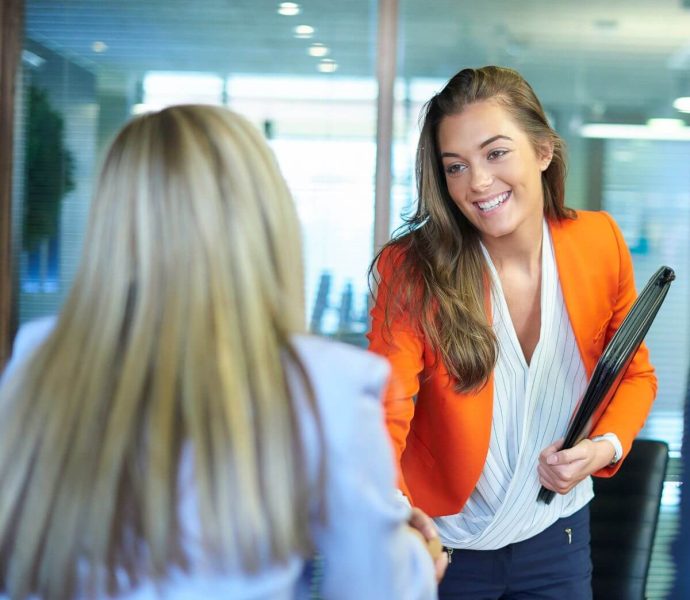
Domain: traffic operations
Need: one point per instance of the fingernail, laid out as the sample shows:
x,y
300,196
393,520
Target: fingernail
x,y
551,460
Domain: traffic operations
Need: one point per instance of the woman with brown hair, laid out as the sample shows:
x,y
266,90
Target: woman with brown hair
x,y
493,306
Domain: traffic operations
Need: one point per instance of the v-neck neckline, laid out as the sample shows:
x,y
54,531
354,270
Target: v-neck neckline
x,y
497,296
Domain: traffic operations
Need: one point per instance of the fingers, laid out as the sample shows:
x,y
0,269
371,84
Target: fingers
x,y
440,565
561,471
550,456
562,457
423,526
550,451
561,484
423,523
584,451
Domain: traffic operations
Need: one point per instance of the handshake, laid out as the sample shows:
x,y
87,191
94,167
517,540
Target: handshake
x,y
423,526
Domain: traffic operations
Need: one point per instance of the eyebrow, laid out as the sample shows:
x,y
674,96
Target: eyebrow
x,y
493,139
485,143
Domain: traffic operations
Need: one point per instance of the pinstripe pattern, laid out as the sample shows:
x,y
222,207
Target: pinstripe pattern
x,y
531,408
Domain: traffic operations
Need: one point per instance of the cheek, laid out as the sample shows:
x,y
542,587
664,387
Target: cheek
x,y
456,189
464,205
535,180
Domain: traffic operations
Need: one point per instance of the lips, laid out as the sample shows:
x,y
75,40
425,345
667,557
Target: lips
x,y
493,202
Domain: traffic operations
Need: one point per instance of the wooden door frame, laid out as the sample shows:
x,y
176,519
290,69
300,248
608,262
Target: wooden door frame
x,y
11,35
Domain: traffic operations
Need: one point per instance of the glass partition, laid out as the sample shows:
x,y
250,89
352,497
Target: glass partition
x,y
303,75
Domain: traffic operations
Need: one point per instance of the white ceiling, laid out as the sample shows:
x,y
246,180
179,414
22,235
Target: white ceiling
x,y
617,56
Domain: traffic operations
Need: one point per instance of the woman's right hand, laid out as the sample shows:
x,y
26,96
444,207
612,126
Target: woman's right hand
x,y
424,526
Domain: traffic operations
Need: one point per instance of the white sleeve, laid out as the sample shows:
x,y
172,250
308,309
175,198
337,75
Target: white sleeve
x,y
615,442
367,548
29,337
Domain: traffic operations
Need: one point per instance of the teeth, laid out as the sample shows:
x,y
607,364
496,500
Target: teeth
x,y
494,202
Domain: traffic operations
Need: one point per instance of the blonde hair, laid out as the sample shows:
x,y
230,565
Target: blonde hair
x,y
439,281
176,333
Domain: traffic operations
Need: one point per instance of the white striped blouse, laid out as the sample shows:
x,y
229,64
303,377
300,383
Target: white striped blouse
x,y
531,409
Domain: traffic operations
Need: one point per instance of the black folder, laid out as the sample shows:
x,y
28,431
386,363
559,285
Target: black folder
x,y
615,359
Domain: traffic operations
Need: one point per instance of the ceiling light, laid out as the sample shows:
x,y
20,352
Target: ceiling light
x,y
99,47
304,31
289,9
665,123
318,50
682,104
619,131
327,66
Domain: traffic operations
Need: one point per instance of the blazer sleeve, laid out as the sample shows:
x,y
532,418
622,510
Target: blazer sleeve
x,y
28,339
367,548
401,342
628,409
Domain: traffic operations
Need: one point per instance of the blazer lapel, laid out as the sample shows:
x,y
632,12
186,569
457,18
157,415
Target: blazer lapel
x,y
573,263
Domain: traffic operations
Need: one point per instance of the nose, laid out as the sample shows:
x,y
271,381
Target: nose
x,y
481,179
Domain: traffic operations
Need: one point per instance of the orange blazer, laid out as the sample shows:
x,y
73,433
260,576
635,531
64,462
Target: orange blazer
x,y
441,439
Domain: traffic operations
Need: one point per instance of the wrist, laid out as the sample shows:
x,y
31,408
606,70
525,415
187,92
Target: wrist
x,y
613,444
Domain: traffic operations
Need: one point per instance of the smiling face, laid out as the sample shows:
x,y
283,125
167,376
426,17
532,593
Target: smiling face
x,y
492,170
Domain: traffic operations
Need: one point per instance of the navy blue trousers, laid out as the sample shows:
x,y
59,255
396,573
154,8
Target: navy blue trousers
x,y
553,565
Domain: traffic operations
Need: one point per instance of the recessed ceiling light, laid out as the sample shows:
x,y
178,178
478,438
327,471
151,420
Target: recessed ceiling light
x,y
99,47
318,50
289,9
327,66
304,31
682,104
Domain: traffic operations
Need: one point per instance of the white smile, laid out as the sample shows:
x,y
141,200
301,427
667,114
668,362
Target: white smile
x,y
492,203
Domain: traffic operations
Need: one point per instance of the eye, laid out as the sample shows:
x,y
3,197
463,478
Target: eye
x,y
494,154
455,169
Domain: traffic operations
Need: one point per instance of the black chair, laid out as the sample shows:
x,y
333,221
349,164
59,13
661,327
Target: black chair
x,y
624,515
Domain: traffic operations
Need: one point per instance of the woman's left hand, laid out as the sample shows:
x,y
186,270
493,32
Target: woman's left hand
x,y
561,470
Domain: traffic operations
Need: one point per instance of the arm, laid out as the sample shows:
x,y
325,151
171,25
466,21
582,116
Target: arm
x,y
402,344
628,410
561,470
368,549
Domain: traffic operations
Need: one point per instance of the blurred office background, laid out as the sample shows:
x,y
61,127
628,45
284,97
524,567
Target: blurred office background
x,y
612,76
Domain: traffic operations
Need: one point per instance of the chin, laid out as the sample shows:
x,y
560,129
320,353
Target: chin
x,y
496,230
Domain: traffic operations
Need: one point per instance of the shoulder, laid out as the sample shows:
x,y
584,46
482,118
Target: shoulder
x,y
596,230
28,339
32,334
394,254
334,366
589,220
348,385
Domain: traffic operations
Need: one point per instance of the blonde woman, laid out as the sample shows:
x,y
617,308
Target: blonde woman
x,y
171,434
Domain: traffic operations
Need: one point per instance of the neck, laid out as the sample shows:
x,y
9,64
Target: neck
x,y
519,250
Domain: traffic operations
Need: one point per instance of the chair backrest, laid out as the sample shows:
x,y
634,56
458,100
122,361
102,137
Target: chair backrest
x,y
624,515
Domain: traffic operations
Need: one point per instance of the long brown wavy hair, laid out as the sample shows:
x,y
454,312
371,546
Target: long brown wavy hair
x,y
440,274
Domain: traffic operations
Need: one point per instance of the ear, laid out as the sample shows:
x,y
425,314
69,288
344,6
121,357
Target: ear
x,y
545,155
